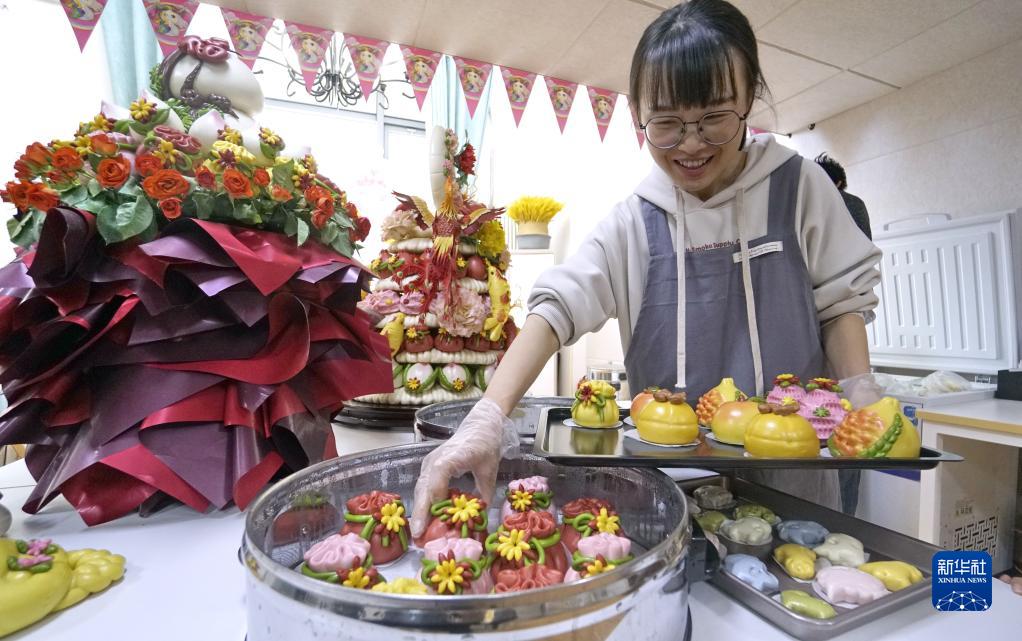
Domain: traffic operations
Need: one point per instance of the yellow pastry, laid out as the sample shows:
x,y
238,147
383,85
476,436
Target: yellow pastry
x,y
779,432
877,430
896,575
595,404
668,419
709,402
91,571
732,419
798,561
34,578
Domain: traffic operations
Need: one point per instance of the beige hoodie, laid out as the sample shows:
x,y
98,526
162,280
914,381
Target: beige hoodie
x,y
607,277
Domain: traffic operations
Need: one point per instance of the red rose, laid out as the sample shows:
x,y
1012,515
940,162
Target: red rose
x,y
237,184
320,218
352,210
103,145
205,178
37,156
315,192
467,160
171,208
67,159
182,142
41,197
165,183
280,193
325,204
262,177
148,164
113,172
361,230
16,194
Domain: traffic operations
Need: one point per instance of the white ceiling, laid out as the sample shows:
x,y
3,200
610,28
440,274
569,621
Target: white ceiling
x,y
820,57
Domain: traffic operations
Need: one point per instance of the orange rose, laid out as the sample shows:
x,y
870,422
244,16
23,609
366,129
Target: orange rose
x,y
67,159
171,208
262,177
16,194
103,146
165,183
320,218
325,204
41,197
148,164
314,193
280,194
36,155
205,178
113,172
236,184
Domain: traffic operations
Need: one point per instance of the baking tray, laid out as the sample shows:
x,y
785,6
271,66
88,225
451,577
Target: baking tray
x,y
610,447
440,420
880,543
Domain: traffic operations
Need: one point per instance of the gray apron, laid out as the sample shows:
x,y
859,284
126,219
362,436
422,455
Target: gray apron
x,y
718,342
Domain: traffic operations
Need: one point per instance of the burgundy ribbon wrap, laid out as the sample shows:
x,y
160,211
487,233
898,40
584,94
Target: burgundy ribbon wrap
x,y
200,364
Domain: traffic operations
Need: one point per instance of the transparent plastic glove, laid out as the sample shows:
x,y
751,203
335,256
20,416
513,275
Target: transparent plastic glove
x,y
862,390
481,441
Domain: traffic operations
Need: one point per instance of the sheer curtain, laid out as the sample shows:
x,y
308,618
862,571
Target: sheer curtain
x,y
131,48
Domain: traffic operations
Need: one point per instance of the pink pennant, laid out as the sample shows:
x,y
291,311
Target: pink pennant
x,y
421,65
248,31
519,86
311,45
367,56
603,102
562,96
83,16
473,75
170,20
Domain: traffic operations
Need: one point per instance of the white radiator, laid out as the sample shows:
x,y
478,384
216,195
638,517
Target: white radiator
x,y
949,294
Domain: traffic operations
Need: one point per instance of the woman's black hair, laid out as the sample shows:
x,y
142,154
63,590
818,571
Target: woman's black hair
x,y
687,57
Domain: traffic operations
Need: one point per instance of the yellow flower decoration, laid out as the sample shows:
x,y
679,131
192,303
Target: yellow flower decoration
x,y
464,508
401,586
60,144
492,240
392,516
511,545
299,171
458,385
270,138
447,576
141,110
411,333
241,154
846,405
609,523
310,163
230,135
357,579
413,384
101,123
788,400
167,153
461,263
521,500
599,567
82,144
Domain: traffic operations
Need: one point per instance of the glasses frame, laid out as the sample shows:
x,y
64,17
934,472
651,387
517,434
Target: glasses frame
x,y
684,128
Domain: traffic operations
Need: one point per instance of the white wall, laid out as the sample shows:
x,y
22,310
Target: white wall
x,y
950,143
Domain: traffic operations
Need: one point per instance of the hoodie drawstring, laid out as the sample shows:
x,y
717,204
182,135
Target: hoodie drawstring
x,y
679,249
750,297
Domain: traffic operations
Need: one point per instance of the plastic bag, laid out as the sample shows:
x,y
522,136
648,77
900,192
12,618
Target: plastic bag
x,y
942,382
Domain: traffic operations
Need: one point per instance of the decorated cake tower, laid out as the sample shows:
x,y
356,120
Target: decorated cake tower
x,y
442,299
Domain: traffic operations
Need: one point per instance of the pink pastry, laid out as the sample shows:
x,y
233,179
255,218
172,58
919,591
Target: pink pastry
x,y
822,406
527,578
384,302
527,495
413,302
610,546
787,390
461,550
337,552
839,585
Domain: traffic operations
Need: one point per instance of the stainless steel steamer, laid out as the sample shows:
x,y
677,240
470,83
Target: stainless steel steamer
x,y
646,599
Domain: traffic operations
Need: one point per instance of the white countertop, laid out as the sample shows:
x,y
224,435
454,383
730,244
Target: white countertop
x,y
183,581
994,414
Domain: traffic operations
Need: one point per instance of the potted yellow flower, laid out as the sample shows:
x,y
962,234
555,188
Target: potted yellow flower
x,y
532,215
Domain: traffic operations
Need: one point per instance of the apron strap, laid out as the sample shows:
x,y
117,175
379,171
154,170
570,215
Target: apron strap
x,y
783,196
658,234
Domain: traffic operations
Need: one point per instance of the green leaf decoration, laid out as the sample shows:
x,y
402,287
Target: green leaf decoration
x,y
76,195
303,231
203,205
283,174
93,187
329,234
127,220
130,188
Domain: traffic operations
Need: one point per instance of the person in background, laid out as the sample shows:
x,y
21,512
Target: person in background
x,y
856,207
673,263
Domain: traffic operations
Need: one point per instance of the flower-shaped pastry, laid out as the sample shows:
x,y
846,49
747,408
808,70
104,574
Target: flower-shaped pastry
x,y
381,519
455,566
524,495
841,549
806,533
848,585
460,515
751,571
527,578
586,516
525,538
334,554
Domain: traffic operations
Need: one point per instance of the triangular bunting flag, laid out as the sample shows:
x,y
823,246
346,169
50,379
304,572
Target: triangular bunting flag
x,y
311,45
603,102
473,75
562,95
367,56
519,86
421,65
83,16
248,31
170,20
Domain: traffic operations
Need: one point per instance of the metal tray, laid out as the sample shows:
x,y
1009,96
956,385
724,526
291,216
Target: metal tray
x,y
880,543
610,447
439,421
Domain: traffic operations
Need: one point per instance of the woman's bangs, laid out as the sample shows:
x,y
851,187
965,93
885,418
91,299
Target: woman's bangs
x,y
694,70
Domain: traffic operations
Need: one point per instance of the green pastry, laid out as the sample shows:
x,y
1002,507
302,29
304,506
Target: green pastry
x,y
710,520
752,509
801,602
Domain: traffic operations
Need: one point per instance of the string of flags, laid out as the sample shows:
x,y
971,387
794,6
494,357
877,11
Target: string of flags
x,y
170,20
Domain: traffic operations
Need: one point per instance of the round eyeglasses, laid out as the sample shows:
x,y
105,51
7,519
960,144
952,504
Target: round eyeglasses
x,y
715,128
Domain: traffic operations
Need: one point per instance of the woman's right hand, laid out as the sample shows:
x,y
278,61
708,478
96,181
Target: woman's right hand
x,y
483,438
